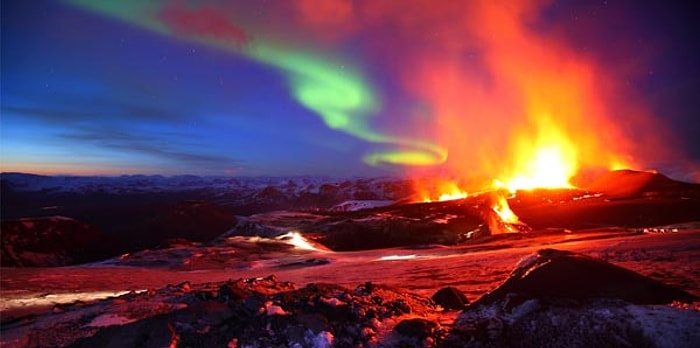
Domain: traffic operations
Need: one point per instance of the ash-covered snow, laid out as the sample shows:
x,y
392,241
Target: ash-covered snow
x,y
254,312
322,339
383,293
109,319
390,307
354,205
601,323
558,298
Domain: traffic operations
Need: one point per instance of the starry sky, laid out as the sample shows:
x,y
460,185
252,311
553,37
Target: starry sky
x,y
341,88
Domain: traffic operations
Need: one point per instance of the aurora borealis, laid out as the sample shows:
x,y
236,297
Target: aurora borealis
x,y
340,87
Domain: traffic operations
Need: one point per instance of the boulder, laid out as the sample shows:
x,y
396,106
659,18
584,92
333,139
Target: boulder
x,y
450,298
556,275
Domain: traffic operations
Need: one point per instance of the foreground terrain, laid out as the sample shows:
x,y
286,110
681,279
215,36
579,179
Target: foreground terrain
x,y
617,264
193,296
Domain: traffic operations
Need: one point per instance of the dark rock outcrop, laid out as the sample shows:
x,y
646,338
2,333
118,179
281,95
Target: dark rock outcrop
x,y
450,298
48,242
266,312
416,332
556,275
630,183
262,312
198,221
561,299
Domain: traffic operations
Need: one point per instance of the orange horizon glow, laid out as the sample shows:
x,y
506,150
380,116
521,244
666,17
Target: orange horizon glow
x,y
50,169
69,169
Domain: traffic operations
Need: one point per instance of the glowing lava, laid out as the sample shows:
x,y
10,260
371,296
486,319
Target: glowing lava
x,y
446,191
452,196
502,209
503,219
298,241
549,167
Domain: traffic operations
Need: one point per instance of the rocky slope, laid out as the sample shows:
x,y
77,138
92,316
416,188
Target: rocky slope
x,y
50,241
267,312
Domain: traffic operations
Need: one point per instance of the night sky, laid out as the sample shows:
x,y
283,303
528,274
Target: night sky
x,y
340,88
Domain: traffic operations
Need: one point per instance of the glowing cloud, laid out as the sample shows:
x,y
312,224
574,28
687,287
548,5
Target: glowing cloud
x,y
514,100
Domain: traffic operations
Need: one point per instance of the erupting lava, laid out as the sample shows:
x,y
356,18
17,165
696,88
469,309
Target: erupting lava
x,y
452,196
446,191
551,167
504,220
531,112
501,207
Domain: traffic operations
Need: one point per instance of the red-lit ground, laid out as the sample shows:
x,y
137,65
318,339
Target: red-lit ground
x,y
672,257
180,295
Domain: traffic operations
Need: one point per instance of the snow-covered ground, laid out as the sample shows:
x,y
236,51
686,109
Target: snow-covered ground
x,y
158,183
672,258
567,279
354,205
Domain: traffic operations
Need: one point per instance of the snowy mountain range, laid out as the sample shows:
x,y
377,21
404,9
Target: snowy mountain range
x,y
159,183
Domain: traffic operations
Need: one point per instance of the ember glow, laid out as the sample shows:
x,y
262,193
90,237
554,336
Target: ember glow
x,y
452,196
503,210
397,257
295,239
445,191
26,300
550,168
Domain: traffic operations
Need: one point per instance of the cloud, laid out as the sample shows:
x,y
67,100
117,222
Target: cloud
x,y
170,147
47,114
205,21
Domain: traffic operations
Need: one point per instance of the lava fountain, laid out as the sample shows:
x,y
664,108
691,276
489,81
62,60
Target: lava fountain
x,y
529,110
496,93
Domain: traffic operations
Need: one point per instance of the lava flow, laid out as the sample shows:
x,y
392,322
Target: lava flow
x,y
531,112
548,168
445,191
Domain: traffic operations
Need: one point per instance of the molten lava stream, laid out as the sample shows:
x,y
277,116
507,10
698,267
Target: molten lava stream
x,y
503,219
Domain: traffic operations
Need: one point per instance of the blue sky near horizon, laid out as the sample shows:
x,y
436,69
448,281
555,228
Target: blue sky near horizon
x,y
123,100
84,93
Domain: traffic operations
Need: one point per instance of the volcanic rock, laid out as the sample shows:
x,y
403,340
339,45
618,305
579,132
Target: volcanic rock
x,y
261,312
600,323
47,242
230,292
270,195
416,332
194,220
150,332
450,298
630,183
446,223
561,299
623,198
556,275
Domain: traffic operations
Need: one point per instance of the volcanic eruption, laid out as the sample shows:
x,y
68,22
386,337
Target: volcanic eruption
x,y
373,153
529,110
